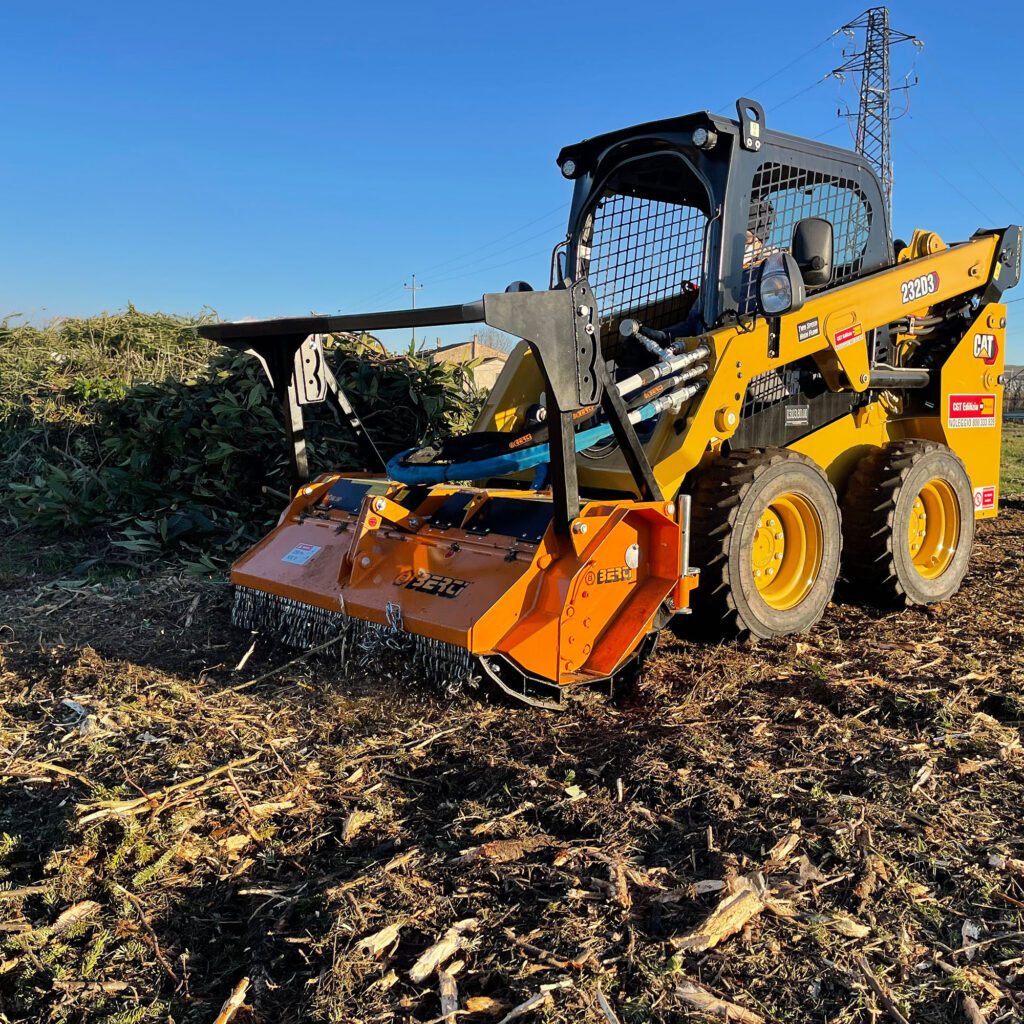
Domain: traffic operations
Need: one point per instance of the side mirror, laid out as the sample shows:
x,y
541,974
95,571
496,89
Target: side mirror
x,y
780,287
812,250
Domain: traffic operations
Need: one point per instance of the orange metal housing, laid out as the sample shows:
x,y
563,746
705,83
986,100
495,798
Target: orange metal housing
x,y
566,609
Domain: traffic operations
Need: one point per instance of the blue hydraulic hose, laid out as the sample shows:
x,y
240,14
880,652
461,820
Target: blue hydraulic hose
x,y
500,465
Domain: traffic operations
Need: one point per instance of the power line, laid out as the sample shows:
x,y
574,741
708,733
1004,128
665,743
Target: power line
x,y
479,252
498,266
993,136
494,241
874,109
499,252
928,162
1006,199
722,107
802,92
827,131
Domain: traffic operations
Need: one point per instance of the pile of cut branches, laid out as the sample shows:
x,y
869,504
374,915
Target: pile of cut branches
x,y
134,427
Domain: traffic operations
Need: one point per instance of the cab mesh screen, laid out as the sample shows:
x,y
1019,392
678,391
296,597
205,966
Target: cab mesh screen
x,y
782,196
769,388
646,259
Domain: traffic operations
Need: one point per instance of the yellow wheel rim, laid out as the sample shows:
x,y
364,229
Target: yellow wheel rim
x,y
934,529
787,550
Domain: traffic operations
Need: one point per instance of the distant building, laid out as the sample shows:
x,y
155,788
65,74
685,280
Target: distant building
x,y
486,373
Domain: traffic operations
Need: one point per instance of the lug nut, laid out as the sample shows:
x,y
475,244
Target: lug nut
x,y
778,536
770,571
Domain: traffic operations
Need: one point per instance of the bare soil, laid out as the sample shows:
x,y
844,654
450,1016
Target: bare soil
x,y
171,823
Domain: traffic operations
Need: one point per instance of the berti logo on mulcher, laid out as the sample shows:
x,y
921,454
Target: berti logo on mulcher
x,y
431,583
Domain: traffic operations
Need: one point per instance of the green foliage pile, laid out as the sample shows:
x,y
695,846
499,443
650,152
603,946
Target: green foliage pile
x,y
133,427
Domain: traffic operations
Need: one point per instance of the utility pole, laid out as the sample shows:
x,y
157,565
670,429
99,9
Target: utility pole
x,y
414,287
874,112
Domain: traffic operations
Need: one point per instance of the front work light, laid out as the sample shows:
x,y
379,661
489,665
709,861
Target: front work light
x,y
780,287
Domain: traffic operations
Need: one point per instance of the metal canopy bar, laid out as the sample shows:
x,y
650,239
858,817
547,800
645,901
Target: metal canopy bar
x,y
427,316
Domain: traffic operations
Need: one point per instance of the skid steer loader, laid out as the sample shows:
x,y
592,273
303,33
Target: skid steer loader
x,y
735,377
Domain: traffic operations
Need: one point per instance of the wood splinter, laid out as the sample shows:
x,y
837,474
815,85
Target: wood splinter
x,y
233,1003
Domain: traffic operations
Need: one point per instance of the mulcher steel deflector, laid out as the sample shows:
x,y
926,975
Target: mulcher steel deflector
x,y
731,328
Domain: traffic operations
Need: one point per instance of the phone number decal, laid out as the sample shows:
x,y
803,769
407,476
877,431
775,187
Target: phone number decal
x,y
919,287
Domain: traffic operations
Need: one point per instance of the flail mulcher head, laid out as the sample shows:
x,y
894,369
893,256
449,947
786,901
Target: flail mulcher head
x,y
291,622
455,585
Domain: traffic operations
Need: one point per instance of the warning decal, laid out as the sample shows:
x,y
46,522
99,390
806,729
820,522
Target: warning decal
x,y
301,554
972,411
984,498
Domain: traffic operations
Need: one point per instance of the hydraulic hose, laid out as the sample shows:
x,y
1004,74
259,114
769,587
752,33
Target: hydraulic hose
x,y
663,369
527,458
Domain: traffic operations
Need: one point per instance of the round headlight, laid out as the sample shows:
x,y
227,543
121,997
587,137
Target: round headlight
x,y
569,168
775,289
704,138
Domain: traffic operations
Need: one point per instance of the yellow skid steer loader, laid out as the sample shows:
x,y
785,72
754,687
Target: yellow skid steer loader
x,y
736,378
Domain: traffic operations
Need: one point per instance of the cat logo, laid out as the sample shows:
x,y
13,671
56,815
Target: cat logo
x,y
986,348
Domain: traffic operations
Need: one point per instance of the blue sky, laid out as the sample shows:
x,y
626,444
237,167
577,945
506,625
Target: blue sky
x,y
269,159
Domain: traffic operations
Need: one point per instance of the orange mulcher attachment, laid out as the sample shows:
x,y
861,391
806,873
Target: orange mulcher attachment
x,y
535,590
464,582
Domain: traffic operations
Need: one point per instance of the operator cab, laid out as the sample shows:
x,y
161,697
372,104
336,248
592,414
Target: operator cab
x,y
671,219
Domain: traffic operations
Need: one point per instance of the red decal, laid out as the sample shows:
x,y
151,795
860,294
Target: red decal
x,y
984,498
972,411
848,335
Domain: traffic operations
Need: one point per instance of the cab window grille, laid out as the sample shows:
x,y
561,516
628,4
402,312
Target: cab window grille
x,y
780,197
643,258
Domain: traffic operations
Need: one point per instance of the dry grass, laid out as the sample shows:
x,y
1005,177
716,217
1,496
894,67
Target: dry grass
x,y
1013,459
167,829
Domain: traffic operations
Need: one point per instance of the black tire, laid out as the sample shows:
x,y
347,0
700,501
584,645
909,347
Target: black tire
x,y
877,510
731,500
